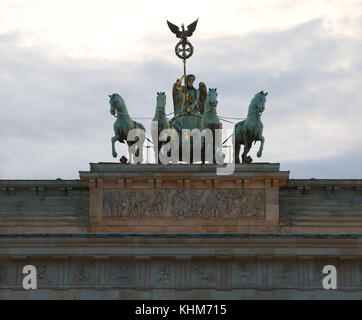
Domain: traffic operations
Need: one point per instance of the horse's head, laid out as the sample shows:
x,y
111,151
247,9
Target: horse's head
x,y
161,103
211,100
117,104
258,102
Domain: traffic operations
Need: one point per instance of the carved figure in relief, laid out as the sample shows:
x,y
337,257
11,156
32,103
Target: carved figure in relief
x,y
221,204
179,203
200,271
81,273
163,274
122,274
245,271
42,272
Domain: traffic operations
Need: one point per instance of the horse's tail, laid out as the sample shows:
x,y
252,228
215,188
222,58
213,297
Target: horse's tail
x,y
237,129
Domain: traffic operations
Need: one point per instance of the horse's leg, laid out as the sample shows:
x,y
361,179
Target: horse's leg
x,y
237,151
245,153
245,157
247,147
261,138
238,141
114,139
137,152
130,155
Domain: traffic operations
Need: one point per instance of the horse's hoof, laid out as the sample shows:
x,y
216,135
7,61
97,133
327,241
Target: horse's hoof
x,y
123,159
114,154
259,154
247,159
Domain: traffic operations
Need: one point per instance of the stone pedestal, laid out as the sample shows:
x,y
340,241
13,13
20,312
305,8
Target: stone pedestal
x,y
183,198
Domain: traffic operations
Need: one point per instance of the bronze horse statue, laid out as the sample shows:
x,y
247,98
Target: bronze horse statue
x,y
251,129
123,125
211,121
159,123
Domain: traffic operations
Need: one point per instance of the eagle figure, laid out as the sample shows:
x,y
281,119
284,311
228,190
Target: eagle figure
x,y
183,33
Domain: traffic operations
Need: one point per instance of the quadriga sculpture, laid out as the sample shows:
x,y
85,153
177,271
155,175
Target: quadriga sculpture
x,y
251,129
123,125
211,121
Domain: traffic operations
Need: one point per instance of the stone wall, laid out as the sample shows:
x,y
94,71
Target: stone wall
x,y
154,266
321,206
28,206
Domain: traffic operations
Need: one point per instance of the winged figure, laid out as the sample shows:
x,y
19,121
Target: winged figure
x,y
183,33
195,98
202,97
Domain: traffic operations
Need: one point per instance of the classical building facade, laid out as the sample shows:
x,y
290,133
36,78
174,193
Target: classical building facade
x,y
181,232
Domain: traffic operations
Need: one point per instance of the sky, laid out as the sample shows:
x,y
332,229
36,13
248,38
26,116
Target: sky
x,y
59,61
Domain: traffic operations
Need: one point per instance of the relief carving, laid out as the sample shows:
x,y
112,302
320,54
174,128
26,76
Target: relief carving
x,y
202,275
122,274
163,275
245,271
81,274
222,204
42,272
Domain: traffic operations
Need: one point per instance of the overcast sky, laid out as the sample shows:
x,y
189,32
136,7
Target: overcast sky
x,y
59,60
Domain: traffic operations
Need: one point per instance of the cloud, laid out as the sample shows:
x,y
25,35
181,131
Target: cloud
x,y
342,166
54,111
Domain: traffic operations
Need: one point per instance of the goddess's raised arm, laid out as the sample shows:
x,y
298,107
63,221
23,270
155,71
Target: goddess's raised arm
x,y
178,85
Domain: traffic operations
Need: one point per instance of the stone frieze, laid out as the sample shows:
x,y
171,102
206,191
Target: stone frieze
x,y
221,204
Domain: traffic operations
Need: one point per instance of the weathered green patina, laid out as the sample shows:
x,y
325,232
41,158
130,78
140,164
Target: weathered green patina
x,y
124,124
189,111
211,121
159,123
251,129
188,99
193,109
